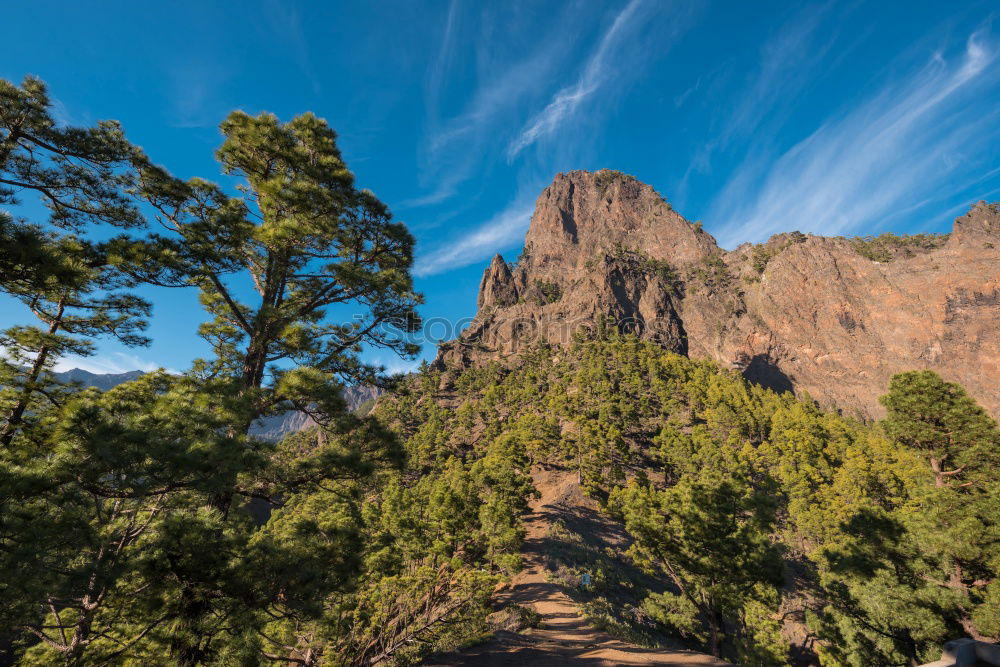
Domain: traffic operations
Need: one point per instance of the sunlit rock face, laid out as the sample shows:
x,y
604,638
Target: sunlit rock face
x,y
805,313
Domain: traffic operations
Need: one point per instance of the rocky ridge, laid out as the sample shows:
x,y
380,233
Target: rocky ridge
x,y
834,317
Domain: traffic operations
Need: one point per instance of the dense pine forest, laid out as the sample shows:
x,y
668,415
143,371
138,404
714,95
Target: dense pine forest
x,y
145,524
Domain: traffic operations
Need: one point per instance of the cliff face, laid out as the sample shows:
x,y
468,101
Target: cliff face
x,y
830,316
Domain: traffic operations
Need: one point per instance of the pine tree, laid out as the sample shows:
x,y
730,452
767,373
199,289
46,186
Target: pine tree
x,y
939,418
85,302
709,538
133,503
313,247
955,524
82,175
91,520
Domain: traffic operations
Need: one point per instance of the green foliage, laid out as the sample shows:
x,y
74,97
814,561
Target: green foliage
x,y
605,177
76,172
938,418
143,524
710,273
544,292
684,533
305,237
905,574
680,444
763,253
82,176
430,552
889,247
94,509
598,407
81,306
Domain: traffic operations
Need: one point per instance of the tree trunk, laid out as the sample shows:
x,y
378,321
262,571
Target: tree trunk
x,y
936,467
909,648
579,464
715,630
17,412
189,645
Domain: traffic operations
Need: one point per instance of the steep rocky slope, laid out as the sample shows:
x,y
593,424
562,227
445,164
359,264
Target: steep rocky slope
x,y
833,317
276,427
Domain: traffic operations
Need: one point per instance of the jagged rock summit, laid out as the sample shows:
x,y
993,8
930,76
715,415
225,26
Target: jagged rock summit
x,y
834,317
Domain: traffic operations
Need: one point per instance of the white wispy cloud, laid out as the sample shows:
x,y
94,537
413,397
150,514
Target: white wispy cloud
x,y
679,100
502,230
395,365
894,150
456,146
788,64
468,142
455,150
442,63
566,101
753,109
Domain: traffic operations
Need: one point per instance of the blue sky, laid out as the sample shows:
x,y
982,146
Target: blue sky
x,y
754,117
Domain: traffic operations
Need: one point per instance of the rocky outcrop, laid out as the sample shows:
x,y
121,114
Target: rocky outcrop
x,y
833,317
361,397
497,286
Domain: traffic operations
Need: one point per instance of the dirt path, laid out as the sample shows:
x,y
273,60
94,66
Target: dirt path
x,y
563,637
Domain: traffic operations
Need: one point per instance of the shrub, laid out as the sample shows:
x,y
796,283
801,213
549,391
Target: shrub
x,y
605,177
890,247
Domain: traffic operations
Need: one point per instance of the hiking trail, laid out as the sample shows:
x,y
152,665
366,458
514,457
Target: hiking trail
x,y
563,636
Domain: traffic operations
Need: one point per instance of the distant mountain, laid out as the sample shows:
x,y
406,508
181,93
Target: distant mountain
x,y
102,381
360,398
274,428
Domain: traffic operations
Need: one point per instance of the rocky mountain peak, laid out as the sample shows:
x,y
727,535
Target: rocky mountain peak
x,y
980,225
497,286
584,213
835,317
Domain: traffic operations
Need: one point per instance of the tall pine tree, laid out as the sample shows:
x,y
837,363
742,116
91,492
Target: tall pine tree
x,y
299,270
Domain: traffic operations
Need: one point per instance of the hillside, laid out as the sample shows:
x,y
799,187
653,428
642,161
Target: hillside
x,y
102,381
649,379
562,634
810,538
834,317
609,467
